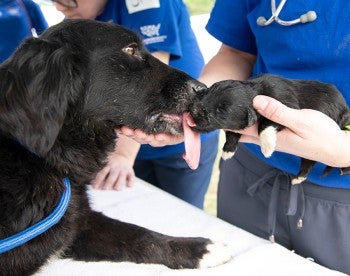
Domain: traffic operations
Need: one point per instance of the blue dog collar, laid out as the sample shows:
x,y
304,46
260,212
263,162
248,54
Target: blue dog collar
x,y
43,225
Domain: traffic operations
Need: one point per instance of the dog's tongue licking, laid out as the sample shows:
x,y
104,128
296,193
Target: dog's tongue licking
x,y
192,142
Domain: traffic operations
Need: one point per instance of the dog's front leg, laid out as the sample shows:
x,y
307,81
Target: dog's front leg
x,y
230,146
107,239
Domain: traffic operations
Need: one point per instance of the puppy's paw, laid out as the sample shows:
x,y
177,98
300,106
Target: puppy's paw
x,y
298,180
227,154
218,254
268,141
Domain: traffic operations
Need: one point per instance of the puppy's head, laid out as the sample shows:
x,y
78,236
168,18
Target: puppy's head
x,y
225,105
82,77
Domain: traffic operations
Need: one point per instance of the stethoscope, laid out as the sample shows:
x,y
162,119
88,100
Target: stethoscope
x,y
304,18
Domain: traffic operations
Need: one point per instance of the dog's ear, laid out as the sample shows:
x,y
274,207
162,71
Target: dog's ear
x,y
36,89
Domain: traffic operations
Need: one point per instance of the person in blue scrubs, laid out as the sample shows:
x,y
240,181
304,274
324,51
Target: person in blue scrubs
x,y
18,20
255,192
165,29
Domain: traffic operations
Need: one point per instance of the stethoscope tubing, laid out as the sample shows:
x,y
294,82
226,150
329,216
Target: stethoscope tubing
x,y
308,17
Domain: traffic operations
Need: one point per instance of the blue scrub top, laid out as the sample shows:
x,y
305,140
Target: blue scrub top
x,y
165,26
319,50
17,18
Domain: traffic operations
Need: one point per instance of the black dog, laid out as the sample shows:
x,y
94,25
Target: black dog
x,y
62,97
228,105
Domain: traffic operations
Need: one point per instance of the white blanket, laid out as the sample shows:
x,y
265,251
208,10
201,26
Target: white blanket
x,y
152,208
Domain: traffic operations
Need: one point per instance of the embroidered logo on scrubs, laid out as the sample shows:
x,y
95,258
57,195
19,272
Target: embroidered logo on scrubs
x,y
140,5
150,30
152,34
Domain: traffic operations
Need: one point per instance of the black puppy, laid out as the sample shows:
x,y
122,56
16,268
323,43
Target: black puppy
x,y
228,105
62,96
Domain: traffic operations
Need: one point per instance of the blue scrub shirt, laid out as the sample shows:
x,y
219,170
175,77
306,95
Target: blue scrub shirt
x,y
17,18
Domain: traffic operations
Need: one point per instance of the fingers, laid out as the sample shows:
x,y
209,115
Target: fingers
x,y
155,140
137,134
119,180
108,179
276,111
98,182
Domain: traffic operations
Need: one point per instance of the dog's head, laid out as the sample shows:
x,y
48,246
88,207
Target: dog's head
x,y
81,77
225,105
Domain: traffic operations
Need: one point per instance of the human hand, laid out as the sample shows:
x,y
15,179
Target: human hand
x,y
309,133
155,140
117,174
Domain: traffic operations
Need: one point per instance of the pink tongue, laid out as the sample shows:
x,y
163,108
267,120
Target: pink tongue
x,y
192,142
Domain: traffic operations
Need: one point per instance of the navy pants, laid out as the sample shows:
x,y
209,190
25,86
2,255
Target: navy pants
x,y
310,219
173,175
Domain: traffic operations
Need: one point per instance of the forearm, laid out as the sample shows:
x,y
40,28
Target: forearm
x,y
227,64
126,147
162,56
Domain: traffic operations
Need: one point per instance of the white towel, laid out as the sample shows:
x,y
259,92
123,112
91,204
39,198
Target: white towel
x,y
152,208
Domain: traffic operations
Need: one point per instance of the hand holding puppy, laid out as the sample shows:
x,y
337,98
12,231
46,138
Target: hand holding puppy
x,y
309,133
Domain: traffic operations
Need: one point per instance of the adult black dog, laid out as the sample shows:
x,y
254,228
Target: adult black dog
x,y
228,105
62,96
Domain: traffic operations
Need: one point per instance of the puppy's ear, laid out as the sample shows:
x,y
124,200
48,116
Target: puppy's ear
x,y
36,89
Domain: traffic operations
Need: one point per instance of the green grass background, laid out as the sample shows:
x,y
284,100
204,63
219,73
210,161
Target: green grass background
x,y
199,6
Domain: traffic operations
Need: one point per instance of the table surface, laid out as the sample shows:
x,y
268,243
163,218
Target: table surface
x,y
152,208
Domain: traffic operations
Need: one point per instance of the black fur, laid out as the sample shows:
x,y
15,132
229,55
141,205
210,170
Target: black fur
x,y
228,105
62,97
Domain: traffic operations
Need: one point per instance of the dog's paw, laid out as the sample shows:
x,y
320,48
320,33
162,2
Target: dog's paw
x,y
227,154
217,254
298,180
268,141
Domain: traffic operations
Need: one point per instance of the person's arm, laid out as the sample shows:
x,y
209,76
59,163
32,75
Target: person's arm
x,y
309,133
162,56
227,64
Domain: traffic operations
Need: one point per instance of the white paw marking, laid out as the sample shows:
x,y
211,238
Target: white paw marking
x,y
227,154
218,254
268,141
298,180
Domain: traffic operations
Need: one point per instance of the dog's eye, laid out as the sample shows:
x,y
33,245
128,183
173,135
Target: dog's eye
x,y
131,49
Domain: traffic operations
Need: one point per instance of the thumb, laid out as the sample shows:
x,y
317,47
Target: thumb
x,y
275,111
